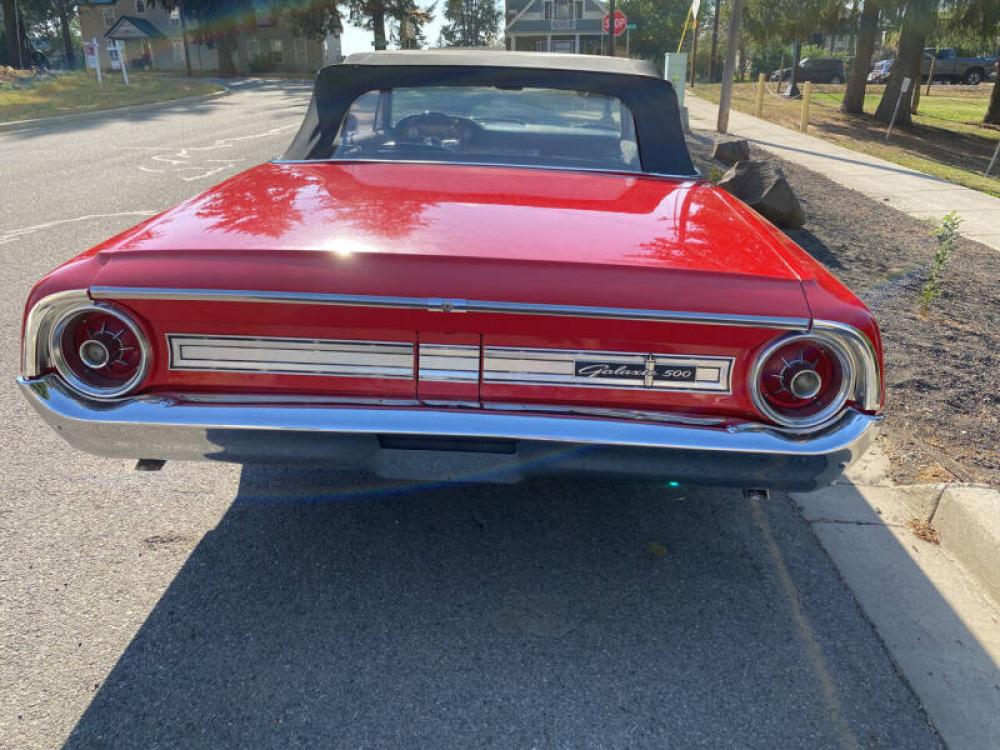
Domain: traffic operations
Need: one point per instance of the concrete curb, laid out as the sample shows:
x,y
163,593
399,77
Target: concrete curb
x,y
968,520
98,113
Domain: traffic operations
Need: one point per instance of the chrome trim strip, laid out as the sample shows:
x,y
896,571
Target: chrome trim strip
x,y
632,414
449,305
141,427
452,363
866,365
557,367
37,324
554,168
288,356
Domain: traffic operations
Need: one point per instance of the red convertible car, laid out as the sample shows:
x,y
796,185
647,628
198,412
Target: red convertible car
x,y
468,265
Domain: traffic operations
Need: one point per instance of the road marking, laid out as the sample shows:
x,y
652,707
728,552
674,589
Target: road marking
x,y
187,159
9,235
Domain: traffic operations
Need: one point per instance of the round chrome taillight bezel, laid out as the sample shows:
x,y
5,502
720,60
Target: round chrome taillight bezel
x,y
839,398
57,355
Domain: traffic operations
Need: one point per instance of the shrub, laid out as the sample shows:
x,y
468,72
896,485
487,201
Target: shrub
x,y
947,239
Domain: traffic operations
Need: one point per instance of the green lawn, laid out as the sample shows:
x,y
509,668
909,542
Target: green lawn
x,y
948,139
79,92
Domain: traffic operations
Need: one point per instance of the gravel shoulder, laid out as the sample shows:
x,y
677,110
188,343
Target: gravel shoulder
x,y
942,368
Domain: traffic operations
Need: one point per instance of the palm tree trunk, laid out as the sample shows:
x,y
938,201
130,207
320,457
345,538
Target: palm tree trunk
x,y
857,81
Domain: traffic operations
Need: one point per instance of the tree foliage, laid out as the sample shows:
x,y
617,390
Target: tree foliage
x,y
470,23
658,26
790,21
979,21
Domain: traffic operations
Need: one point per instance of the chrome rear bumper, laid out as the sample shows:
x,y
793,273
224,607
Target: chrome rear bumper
x,y
447,443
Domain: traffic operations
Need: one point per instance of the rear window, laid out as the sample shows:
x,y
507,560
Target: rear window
x,y
490,125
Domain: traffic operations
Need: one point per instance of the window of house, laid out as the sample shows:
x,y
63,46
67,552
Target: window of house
x,y
300,50
109,17
547,13
253,49
140,7
178,52
578,9
175,17
277,50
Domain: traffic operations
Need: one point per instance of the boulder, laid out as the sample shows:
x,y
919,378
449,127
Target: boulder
x,y
763,187
731,150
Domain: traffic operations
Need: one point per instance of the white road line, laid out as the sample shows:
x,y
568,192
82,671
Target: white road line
x,y
9,235
186,160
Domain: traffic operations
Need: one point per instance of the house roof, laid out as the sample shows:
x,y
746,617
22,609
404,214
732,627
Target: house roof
x,y
493,58
130,27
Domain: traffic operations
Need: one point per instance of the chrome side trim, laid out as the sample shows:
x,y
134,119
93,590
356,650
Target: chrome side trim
x,y
38,323
557,367
288,356
449,306
453,363
868,385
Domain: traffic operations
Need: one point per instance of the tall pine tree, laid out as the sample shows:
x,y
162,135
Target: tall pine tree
x,y
471,23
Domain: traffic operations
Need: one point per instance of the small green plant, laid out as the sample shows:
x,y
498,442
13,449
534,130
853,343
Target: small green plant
x,y
715,174
947,238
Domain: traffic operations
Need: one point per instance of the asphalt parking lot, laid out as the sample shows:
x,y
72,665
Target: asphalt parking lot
x,y
220,606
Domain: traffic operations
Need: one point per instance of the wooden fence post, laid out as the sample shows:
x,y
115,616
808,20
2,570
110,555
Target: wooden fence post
x,y
758,105
806,95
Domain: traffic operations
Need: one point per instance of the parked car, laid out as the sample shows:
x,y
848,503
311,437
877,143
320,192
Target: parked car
x,y
468,264
815,69
948,66
995,73
880,71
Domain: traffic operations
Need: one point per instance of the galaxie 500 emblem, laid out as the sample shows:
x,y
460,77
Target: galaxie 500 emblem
x,y
648,373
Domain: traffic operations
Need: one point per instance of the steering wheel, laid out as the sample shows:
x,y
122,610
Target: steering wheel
x,y
434,128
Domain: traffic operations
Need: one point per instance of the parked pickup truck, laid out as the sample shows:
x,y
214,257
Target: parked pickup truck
x,y
949,66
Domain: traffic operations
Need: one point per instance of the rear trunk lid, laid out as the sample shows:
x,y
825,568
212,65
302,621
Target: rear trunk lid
x,y
539,259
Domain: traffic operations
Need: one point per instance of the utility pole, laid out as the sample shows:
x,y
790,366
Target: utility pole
x,y
729,66
611,27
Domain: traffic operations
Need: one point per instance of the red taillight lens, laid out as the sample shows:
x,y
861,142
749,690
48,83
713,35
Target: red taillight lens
x,y
802,381
99,351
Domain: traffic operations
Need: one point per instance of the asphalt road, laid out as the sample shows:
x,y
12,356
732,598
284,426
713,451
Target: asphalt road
x,y
213,606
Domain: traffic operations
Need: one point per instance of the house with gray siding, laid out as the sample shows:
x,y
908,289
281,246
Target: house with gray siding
x,y
571,26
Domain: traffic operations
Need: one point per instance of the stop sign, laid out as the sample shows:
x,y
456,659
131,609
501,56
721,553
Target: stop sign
x,y
621,22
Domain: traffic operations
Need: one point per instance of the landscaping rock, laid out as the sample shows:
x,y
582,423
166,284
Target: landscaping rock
x,y
731,150
763,187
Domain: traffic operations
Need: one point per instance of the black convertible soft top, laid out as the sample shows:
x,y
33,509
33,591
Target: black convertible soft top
x,y
660,136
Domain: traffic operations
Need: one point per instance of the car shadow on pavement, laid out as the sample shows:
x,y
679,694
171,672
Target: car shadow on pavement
x,y
335,610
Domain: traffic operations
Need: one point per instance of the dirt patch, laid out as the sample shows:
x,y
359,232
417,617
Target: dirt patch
x,y
943,368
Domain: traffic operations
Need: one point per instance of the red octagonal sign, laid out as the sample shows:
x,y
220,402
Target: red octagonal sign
x,y
621,22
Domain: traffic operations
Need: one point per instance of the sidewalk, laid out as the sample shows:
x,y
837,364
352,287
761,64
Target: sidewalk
x,y
915,193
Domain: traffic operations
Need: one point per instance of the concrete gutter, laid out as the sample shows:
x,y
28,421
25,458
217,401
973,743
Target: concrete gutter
x,y
930,603
968,520
99,113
